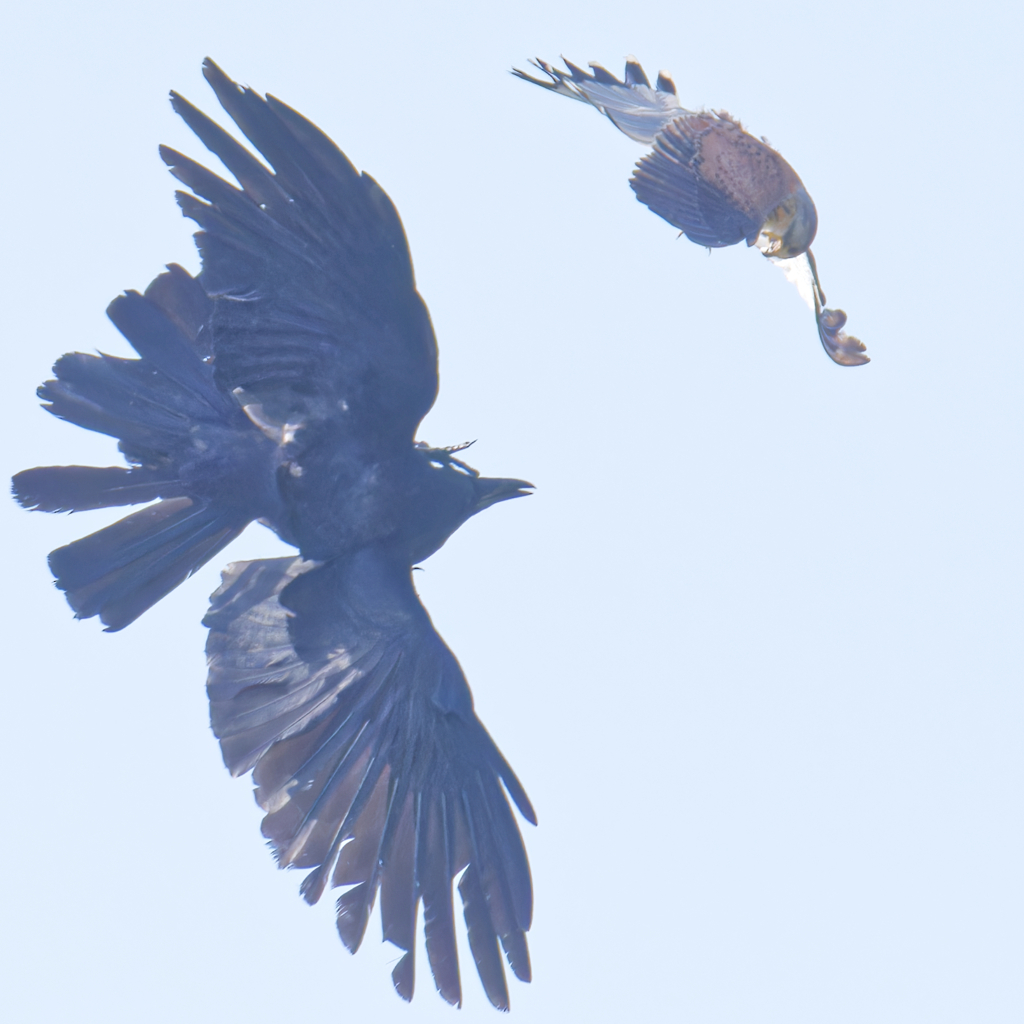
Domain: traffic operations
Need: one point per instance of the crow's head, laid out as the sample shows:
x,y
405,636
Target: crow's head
x,y
448,492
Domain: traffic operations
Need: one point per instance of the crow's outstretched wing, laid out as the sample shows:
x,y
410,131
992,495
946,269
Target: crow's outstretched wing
x,y
316,316
331,684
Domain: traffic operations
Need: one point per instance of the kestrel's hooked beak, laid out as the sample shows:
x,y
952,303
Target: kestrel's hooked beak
x,y
790,228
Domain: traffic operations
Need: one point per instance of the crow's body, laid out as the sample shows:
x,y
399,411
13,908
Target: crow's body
x,y
285,384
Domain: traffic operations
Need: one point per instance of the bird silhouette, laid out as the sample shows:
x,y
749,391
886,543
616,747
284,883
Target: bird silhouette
x,y
711,179
285,384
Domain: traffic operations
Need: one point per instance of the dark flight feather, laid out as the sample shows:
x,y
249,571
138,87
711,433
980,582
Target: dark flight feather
x,y
316,299
80,488
122,570
336,702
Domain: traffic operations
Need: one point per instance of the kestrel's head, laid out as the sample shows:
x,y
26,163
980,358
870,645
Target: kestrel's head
x,y
790,228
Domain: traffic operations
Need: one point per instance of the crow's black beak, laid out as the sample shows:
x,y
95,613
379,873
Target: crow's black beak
x,y
491,490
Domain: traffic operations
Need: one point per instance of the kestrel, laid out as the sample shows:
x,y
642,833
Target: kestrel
x,y
711,179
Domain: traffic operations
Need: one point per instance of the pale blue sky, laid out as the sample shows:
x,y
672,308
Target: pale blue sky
x,y
754,646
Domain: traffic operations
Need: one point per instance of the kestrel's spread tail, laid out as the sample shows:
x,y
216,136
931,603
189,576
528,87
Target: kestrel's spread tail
x,y
711,179
632,106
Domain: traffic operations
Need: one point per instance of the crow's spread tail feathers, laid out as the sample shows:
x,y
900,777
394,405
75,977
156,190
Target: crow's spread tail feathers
x,y
152,403
332,685
81,488
187,442
119,572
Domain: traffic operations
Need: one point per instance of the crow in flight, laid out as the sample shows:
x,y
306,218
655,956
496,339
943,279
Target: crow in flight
x,y
285,384
715,182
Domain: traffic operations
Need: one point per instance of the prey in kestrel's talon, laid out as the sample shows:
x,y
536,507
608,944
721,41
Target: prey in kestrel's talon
x,y
715,182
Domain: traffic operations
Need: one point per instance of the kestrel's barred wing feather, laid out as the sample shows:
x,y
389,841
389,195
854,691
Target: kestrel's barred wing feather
x,y
632,105
666,180
667,183
331,684
316,315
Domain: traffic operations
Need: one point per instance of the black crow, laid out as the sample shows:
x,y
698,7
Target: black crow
x,y
285,384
